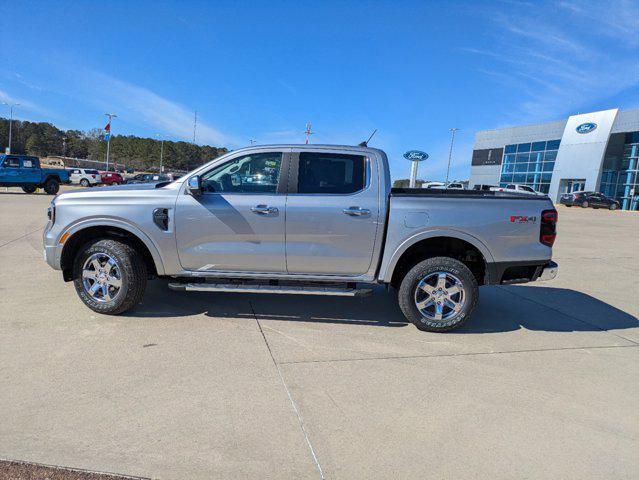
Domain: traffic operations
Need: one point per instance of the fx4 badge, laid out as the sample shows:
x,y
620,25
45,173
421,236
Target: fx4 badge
x,y
522,219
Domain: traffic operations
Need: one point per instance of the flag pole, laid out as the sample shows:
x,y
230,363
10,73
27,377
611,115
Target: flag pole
x,y
108,129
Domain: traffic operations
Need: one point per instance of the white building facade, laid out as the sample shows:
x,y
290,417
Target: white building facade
x,y
596,151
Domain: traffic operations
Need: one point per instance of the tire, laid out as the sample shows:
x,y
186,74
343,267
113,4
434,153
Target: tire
x,y
432,269
29,189
569,206
127,264
613,206
51,186
84,182
585,205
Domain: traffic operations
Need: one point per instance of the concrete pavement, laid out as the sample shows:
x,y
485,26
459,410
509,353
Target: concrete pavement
x,y
542,383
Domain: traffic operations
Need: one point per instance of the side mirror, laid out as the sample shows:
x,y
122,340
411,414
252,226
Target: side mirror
x,y
194,186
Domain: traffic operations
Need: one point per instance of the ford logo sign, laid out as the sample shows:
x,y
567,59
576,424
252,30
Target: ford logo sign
x,y
415,155
586,128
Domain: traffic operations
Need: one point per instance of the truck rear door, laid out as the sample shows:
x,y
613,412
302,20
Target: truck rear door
x,y
332,212
29,170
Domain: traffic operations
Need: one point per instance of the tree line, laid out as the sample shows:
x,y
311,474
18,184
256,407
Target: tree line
x,y
44,139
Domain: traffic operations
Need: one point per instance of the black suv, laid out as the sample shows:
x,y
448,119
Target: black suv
x,y
589,199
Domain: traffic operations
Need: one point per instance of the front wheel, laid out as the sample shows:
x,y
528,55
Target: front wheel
x,y
109,276
585,205
438,294
29,188
84,182
613,206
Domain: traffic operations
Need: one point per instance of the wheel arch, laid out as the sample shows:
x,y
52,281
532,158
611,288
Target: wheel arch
x,y
82,233
451,243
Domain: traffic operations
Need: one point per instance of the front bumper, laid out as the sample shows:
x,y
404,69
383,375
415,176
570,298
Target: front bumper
x,y
52,250
549,271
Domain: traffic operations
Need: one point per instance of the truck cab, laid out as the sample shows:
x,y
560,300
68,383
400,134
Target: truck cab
x,y
24,171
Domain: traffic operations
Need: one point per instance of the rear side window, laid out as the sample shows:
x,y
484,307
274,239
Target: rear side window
x,y
331,173
92,172
27,163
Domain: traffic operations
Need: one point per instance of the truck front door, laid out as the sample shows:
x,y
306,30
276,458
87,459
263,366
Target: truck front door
x,y
332,213
237,223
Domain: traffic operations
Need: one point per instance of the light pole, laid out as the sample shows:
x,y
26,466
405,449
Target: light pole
x,y
108,129
157,135
450,152
10,105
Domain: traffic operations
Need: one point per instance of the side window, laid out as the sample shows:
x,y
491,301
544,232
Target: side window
x,y
331,173
27,163
254,173
12,162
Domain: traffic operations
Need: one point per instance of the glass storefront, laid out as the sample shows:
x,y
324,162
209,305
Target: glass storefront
x,y
529,164
620,175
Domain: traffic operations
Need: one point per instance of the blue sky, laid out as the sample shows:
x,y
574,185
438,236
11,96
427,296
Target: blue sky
x,y
261,70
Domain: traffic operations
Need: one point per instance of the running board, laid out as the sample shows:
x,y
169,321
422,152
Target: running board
x,y
273,289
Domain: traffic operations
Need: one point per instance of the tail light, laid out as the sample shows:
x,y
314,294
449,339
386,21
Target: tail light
x,y
93,175
548,230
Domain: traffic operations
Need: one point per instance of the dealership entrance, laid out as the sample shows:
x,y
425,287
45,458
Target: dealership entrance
x,y
569,185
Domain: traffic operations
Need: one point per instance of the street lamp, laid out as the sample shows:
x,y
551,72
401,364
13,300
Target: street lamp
x,y
450,152
10,105
161,138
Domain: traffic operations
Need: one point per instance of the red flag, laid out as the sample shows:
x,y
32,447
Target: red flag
x,y
108,127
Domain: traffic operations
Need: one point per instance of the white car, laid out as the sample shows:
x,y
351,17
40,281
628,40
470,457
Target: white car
x,y
516,188
85,177
442,186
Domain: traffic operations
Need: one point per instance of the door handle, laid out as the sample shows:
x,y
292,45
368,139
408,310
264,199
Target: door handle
x,y
264,209
356,211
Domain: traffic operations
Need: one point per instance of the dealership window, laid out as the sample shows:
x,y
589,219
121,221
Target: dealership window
x,y
529,164
620,175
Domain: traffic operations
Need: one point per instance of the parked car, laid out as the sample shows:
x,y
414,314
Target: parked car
x,y
516,188
111,178
329,225
85,177
589,199
483,187
149,178
24,171
443,186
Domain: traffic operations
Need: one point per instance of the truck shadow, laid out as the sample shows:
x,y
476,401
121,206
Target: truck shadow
x,y
500,309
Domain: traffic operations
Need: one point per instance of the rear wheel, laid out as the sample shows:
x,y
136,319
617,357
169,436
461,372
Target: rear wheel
x,y
51,186
29,188
585,204
109,276
84,182
613,206
438,294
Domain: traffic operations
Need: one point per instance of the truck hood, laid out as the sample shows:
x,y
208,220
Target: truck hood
x,y
126,190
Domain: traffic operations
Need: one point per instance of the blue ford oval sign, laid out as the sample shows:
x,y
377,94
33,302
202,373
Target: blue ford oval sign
x,y
415,155
586,127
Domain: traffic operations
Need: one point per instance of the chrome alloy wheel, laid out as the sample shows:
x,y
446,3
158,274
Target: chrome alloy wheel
x,y
439,296
101,277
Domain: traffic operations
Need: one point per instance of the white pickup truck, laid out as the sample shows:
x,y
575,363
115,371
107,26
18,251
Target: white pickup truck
x,y
300,219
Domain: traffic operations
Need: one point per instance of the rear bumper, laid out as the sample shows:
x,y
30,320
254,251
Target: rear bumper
x,y
549,272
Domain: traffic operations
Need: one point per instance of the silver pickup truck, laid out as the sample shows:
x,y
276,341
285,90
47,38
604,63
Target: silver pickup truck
x,y
300,219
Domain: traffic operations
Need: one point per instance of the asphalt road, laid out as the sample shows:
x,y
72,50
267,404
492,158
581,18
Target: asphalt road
x,y
542,383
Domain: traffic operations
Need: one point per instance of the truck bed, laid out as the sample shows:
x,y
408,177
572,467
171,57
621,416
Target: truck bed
x,y
455,193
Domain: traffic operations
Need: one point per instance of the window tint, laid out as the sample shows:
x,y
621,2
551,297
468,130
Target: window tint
x,y
331,173
510,149
254,173
12,162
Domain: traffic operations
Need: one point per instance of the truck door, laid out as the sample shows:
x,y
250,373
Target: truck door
x,y
332,213
237,223
29,172
11,170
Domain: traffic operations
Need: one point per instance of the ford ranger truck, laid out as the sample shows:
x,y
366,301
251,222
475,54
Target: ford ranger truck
x,y
300,219
24,171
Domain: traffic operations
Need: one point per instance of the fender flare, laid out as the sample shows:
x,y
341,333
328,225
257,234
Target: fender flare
x,y
387,274
114,222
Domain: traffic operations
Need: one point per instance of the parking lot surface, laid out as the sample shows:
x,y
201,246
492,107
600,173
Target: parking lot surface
x,y
542,383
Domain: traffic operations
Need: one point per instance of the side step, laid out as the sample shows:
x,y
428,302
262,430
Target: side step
x,y
273,289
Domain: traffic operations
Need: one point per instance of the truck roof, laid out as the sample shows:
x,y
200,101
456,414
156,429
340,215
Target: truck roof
x,y
310,146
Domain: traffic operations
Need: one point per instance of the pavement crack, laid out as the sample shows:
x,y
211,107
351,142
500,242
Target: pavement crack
x,y
290,396
444,355
21,237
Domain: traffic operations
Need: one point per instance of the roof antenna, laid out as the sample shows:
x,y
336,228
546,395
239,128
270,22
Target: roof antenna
x,y
365,143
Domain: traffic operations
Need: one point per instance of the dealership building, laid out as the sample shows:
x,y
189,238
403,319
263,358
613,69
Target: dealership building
x,y
596,151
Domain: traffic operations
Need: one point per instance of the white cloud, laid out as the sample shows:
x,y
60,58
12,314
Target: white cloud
x,y
25,105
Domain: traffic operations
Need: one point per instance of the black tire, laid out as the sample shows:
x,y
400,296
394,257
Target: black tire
x,y
131,268
613,206
408,288
51,186
585,204
569,206
29,189
84,182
